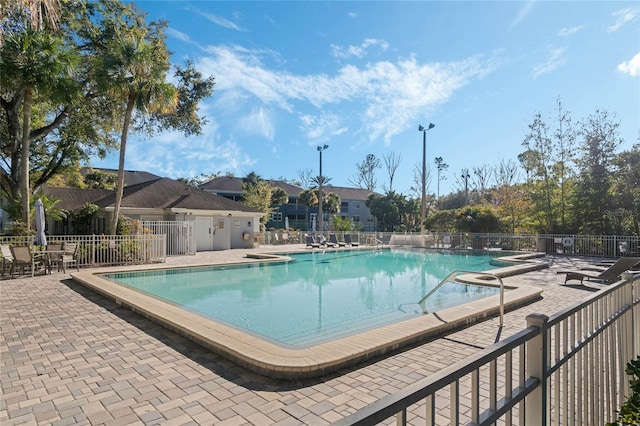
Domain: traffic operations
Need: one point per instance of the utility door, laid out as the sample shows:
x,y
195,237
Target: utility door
x,y
204,233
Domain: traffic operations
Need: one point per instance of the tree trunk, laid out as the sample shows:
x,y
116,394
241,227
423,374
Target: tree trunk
x,y
24,156
123,148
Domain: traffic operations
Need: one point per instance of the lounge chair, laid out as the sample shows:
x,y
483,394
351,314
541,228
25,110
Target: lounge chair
x,y
7,259
334,239
610,274
323,241
23,258
603,266
349,240
311,242
69,257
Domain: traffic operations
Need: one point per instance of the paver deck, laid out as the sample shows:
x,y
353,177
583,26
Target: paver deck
x,y
71,356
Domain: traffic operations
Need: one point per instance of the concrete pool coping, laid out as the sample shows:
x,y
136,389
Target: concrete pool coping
x,y
272,360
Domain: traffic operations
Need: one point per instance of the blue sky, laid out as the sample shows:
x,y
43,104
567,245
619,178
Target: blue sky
x,y
361,76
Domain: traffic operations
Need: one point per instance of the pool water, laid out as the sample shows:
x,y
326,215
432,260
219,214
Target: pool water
x,y
318,296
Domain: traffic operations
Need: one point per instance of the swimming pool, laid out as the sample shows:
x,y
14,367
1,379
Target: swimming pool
x,y
325,278
319,295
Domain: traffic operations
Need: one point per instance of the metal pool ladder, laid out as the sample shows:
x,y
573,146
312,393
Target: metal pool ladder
x,y
457,272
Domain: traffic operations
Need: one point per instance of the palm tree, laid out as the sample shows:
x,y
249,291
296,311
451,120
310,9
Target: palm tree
x,y
37,12
33,63
134,71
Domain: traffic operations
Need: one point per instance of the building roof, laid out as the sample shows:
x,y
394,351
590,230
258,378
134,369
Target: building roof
x,y
131,177
233,185
353,194
161,193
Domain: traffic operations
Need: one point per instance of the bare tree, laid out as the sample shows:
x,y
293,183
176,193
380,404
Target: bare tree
x,y
416,188
391,163
305,177
482,177
506,173
365,175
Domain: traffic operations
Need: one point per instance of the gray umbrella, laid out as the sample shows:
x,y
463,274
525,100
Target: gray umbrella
x,y
41,238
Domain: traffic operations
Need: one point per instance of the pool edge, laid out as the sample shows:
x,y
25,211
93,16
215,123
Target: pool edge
x,y
272,360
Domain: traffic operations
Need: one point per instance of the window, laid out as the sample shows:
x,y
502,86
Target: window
x,y
344,206
276,217
356,219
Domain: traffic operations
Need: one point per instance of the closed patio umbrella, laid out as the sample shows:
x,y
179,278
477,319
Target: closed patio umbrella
x,y
286,223
41,238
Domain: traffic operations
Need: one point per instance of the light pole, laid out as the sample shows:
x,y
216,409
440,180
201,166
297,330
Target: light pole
x,y
423,205
320,179
466,176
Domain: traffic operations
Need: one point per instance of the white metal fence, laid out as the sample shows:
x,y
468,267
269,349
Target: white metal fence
x,y
107,250
181,236
574,245
563,370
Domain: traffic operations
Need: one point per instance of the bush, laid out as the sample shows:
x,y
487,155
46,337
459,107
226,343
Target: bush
x,y
629,413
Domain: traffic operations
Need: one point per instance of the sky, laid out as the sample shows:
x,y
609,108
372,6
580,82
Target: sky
x,y
360,77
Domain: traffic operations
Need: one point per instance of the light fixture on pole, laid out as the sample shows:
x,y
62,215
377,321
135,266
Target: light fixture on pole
x,y
423,205
466,176
320,180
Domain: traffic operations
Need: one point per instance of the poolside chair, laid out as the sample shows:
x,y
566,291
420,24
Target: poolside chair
x,y
23,258
323,241
7,259
69,257
348,239
334,239
311,242
54,254
610,274
604,265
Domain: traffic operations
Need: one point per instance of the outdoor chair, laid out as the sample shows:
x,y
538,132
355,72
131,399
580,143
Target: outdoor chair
x,y
69,257
23,258
334,239
349,240
7,259
311,242
323,241
610,274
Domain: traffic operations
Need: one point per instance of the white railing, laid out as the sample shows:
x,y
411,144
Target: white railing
x,y
107,250
574,245
181,236
565,369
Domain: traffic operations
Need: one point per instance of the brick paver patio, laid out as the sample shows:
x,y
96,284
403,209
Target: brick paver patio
x,y
70,356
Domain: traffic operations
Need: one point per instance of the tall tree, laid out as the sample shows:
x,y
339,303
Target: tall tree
x,y
391,163
135,71
256,193
33,63
626,190
482,178
597,151
441,167
540,158
365,176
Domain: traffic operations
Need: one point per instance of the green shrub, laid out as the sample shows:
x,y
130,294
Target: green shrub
x,y
629,413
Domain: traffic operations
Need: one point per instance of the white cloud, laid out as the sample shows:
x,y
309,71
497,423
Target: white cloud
x,y
624,16
222,22
554,60
565,32
524,11
358,51
258,122
631,67
321,128
179,35
393,93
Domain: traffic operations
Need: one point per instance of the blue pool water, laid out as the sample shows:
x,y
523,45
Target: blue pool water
x,y
319,295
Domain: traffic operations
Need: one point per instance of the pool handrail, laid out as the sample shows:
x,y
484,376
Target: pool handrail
x,y
460,271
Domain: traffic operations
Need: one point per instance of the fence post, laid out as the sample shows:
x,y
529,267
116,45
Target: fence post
x,y
536,402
